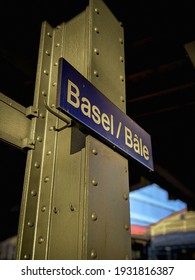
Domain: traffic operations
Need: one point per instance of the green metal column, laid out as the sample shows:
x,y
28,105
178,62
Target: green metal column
x,y
75,200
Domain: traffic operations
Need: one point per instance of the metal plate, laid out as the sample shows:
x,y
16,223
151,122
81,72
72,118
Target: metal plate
x,y
108,204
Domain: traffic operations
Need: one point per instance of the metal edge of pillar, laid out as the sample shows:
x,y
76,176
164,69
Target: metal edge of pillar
x,y
39,161
66,230
53,125
27,220
107,65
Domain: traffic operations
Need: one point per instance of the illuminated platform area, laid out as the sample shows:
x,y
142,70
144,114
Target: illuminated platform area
x,y
161,228
150,204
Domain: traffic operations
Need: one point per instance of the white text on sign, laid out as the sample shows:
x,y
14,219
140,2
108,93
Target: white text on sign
x,y
107,121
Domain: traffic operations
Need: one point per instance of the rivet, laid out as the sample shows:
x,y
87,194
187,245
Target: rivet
x,y
26,256
33,193
45,72
121,41
93,254
30,224
44,93
96,51
126,226
94,151
121,59
39,138
48,153
41,115
51,128
46,179
43,208
94,182
121,78
58,44
49,34
55,210
93,216
52,105
96,30
55,64
97,11
41,240
125,196
95,72
37,165
54,84
72,208
122,98
47,53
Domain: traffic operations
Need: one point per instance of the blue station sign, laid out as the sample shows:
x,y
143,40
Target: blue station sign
x,y
79,99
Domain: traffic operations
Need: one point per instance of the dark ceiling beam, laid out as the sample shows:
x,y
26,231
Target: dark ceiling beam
x,y
164,110
184,191
166,180
161,93
157,70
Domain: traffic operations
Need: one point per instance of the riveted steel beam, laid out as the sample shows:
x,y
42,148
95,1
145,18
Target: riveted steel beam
x,y
69,173
15,127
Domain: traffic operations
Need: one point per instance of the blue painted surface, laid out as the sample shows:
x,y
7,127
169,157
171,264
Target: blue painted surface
x,y
150,204
86,104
